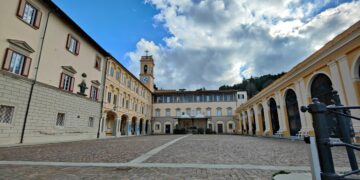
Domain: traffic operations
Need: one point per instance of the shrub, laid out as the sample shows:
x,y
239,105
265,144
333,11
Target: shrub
x,y
201,131
179,131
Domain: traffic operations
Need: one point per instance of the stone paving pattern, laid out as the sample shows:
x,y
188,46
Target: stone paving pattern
x,y
103,150
41,172
232,149
206,149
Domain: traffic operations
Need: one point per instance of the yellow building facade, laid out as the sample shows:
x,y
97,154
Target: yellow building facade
x,y
275,111
127,102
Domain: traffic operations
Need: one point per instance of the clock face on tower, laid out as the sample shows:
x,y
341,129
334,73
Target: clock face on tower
x,y
145,79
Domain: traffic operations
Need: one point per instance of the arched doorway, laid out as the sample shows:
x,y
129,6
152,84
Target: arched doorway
x,y
147,127
274,116
133,126
123,125
253,123
141,127
110,123
293,113
261,108
321,88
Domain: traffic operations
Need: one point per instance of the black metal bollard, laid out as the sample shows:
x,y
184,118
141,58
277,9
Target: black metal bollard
x,y
344,129
317,111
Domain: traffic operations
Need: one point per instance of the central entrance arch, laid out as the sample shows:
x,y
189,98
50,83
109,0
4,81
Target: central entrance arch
x,y
274,116
110,123
293,113
123,125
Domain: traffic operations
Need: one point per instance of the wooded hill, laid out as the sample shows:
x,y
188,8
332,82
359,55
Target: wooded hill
x,y
253,85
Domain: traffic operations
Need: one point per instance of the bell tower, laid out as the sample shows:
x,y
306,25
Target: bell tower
x,y
147,71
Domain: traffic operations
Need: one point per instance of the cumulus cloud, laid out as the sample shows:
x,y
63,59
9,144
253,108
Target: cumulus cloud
x,y
216,42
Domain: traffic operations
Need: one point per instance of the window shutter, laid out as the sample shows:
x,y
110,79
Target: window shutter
x,y
77,47
97,94
68,42
38,19
91,89
7,59
72,84
21,8
61,84
26,67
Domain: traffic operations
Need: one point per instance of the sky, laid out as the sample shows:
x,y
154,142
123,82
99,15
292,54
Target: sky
x,y
209,43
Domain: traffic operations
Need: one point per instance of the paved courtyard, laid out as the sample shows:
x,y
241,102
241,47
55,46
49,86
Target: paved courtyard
x,y
161,157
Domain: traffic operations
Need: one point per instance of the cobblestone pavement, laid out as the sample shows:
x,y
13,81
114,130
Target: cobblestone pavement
x,y
195,149
103,150
227,149
40,172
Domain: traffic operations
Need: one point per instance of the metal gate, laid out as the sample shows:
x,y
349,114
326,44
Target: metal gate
x,y
327,120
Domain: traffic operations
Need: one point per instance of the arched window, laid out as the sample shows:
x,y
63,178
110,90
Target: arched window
x,y
145,68
168,112
178,112
229,111
208,112
157,112
321,88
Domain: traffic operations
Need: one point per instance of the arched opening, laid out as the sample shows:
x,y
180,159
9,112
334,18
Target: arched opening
x,y
274,116
141,126
321,88
293,113
123,125
253,123
133,126
147,127
110,123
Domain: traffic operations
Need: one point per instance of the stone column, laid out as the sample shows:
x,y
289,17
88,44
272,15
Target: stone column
x,y
281,113
243,120
304,97
256,120
137,127
335,79
249,117
118,131
299,99
129,127
349,90
266,116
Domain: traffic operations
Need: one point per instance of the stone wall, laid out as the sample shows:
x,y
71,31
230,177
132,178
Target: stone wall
x,y
46,103
14,91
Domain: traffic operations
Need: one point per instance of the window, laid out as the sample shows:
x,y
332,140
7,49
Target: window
x,y
178,112
197,98
60,121
168,99
98,63
109,97
218,112
168,112
112,71
123,102
127,104
6,114
73,45
115,99
208,112
67,82
94,93
198,111
231,126
16,63
118,76
29,14
91,122
207,98
157,112
229,111
157,126
188,111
